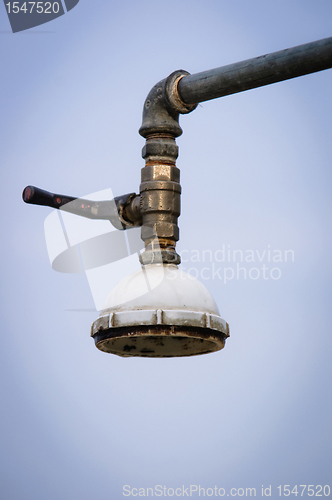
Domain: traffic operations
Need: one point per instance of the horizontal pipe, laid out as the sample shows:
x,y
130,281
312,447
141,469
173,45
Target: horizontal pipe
x,y
256,72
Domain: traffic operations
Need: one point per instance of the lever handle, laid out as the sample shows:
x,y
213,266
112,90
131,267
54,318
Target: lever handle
x,y
36,196
91,209
111,210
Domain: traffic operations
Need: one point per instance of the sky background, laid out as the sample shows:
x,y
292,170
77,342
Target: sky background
x,y
256,174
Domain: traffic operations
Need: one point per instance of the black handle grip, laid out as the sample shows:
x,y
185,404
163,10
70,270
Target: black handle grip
x,y
36,196
105,210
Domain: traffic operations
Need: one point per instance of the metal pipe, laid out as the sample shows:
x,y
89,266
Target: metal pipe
x,y
157,208
256,72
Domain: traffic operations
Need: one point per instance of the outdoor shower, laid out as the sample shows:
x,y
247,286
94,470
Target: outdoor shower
x,y
160,311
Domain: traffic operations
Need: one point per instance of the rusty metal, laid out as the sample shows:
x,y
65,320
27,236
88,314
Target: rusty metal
x,y
128,207
172,95
160,148
159,341
160,181
160,197
160,208
166,332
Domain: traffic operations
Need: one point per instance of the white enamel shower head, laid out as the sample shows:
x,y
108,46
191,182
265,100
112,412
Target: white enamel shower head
x,y
160,311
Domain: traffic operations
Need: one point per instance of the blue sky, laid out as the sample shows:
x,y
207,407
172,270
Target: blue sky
x,y
256,175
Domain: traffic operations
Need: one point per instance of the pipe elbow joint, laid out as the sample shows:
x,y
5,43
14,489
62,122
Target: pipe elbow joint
x,y
163,106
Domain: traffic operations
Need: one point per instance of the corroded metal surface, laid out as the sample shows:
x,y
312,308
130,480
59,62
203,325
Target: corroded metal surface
x,y
159,333
159,341
163,317
160,200
172,95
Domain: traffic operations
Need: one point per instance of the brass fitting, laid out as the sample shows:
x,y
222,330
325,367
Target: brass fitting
x,y
160,179
160,199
